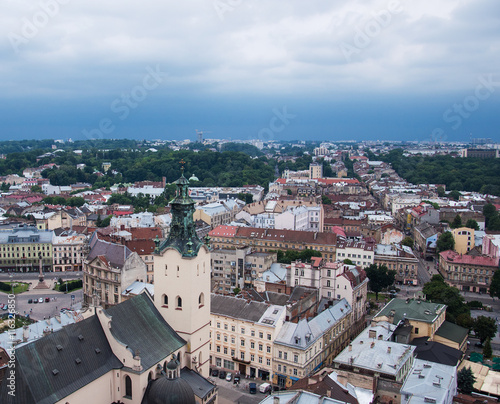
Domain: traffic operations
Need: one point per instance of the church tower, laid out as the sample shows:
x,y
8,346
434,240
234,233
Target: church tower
x,y
182,281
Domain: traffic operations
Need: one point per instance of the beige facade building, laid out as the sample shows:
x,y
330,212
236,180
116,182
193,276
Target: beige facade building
x,y
108,270
302,348
464,239
24,248
242,335
69,252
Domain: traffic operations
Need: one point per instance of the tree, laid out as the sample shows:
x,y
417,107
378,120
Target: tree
x,y
484,328
408,241
487,351
440,191
438,291
236,291
455,195
379,278
490,214
347,261
36,189
457,222
495,284
465,380
325,200
472,224
445,242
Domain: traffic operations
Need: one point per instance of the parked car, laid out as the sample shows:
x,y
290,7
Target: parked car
x,y
265,388
222,374
252,387
47,299
40,300
478,344
215,372
30,301
236,379
229,376
35,301
5,307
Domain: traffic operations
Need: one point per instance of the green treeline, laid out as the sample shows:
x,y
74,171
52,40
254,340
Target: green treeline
x,y
461,174
229,168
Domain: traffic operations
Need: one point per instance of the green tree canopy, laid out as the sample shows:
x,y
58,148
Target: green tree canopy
x,y
457,222
487,351
472,224
408,241
289,256
325,200
380,277
465,380
484,328
438,291
495,284
445,242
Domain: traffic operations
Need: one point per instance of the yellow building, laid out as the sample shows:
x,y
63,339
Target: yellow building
x,y
22,248
464,239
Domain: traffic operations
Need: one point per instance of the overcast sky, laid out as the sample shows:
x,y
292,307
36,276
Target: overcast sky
x,y
416,70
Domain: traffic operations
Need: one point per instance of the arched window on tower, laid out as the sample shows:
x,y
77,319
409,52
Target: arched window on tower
x,y
179,303
201,300
165,300
128,387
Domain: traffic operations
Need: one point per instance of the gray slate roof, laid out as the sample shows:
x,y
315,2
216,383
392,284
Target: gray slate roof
x,y
237,308
138,324
37,362
116,254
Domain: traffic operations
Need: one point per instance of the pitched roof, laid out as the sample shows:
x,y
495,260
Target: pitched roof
x,y
412,310
324,385
436,352
453,332
237,308
150,334
116,254
452,256
59,364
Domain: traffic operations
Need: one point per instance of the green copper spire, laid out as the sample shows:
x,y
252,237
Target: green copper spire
x,y
182,235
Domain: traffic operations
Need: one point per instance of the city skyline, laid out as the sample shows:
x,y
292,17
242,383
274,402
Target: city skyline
x,y
388,70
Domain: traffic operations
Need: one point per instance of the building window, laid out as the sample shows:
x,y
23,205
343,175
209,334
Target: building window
x,y
269,337
165,299
252,345
296,358
260,347
218,325
261,335
242,356
268,362
128,387
179,302
201,300
260,359
268,348
242,342
416,330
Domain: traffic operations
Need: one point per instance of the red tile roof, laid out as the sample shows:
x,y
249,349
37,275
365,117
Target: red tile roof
x,y
452,256
223,231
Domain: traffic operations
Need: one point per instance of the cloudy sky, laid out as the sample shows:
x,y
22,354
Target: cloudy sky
x,y
335,70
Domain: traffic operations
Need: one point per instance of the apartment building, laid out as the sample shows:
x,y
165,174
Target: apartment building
x,y
400,259
242,334
69,252
302,348
269,240
108,270
359,252
467,273
24,248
